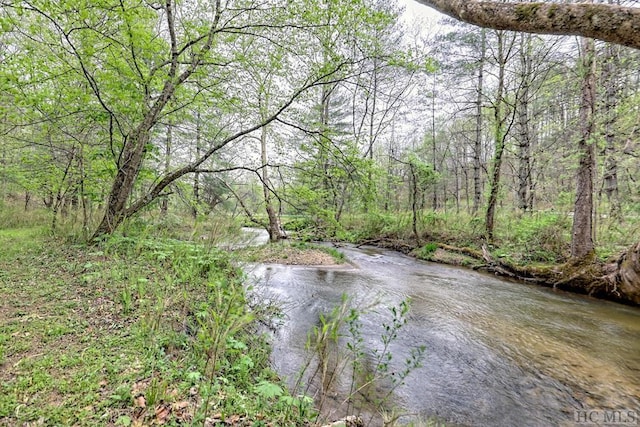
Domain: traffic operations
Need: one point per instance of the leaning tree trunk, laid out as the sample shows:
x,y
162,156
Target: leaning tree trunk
x,y
274,228
612,23
128,168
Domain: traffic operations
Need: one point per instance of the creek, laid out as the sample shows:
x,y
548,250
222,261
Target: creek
x,y
498,353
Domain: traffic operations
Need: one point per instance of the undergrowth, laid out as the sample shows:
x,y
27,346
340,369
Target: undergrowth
x,y
135,331
351,377
534,238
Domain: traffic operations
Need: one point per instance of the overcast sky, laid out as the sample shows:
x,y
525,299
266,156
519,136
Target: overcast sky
x,y
417,10
420,19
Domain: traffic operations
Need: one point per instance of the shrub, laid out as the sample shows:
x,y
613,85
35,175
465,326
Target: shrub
x,y
426,252
544,237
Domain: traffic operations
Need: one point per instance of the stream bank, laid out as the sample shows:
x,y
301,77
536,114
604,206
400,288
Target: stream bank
x,y
496,354
616,280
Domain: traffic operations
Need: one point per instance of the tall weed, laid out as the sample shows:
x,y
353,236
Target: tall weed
x,y
340,364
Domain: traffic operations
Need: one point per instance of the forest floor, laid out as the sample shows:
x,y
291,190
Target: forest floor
x,y
110,336
66,351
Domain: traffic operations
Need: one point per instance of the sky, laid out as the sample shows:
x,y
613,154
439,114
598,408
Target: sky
x,y
420,18
415,9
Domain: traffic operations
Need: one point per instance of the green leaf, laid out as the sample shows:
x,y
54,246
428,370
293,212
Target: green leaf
x,y
268,389
124,420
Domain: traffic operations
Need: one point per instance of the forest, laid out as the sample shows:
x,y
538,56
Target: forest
x,y
509,143
331,117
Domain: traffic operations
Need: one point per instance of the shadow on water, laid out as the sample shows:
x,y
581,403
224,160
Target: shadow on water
x,y
497,353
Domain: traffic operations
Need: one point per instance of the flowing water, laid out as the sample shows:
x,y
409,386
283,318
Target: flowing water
x,y
498,353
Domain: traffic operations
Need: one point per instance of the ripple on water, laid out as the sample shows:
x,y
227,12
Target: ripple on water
x,y
498,353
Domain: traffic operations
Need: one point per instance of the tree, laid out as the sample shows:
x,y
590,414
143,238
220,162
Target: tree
x,y
502,120
582,234
612,23
344,127
141,63
610,84
464,58
477,145
421,176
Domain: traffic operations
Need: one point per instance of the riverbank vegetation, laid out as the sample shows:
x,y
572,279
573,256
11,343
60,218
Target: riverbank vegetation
x,y
139,330
340,114
333,120
147,329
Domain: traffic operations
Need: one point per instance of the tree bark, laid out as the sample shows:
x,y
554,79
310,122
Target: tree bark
x,y
434,148
196,175
129,166
612,23
525,196
414,202
477,146
274,228
500,135
582,234
164,207
611,94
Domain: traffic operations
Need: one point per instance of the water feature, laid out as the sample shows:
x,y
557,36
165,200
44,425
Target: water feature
x,y
498,353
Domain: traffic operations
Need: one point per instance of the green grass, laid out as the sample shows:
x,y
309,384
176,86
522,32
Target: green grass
x,y
134,332
542,237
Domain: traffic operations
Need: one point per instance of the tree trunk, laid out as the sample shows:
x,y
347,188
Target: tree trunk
x,y
61,193
3,170
610,82
129,166
196,175
323,153
414,202
274,228
500,135
525,198
477,151
612,23
83,195
582,234
434,148
164,207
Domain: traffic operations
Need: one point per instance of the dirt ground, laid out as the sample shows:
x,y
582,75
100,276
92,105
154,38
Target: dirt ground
x,y
296,256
